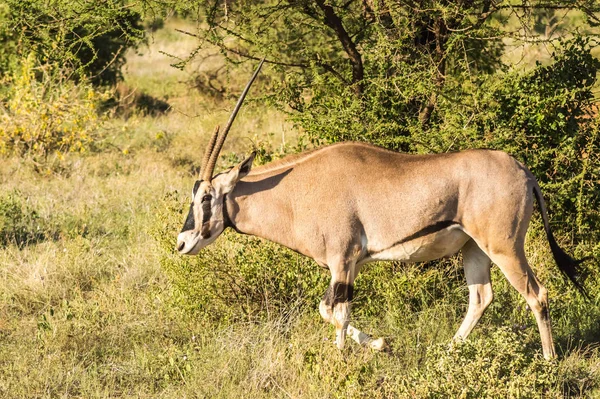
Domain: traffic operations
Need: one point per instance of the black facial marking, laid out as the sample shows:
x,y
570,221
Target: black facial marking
x,y
206,215
206,208
339,293
196,186
433,228
189,221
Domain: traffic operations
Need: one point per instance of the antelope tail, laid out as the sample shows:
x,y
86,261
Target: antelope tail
x,y
569,266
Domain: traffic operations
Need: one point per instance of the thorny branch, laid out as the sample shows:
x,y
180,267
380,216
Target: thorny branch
x,y
334,22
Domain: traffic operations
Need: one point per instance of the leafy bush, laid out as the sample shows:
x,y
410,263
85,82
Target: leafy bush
x,y
497,366
8,51
46,114
86,37
545,119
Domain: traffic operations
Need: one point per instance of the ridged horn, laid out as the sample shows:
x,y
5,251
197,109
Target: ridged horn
x,y
207,153
215,153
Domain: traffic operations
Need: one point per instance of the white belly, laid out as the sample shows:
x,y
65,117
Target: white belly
x,y
437,245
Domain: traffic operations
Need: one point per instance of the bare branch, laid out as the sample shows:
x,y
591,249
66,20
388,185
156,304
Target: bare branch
x,y
302,64
333,21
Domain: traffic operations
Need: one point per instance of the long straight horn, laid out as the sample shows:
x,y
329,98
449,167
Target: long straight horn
x,y
207,153
215,153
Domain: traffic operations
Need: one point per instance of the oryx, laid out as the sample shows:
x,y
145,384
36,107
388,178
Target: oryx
x,y
348,204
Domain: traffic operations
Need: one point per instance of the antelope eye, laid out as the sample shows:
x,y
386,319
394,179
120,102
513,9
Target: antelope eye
x,y
206,198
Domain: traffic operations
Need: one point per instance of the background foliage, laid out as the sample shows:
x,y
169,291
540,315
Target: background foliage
x,y
46,114
88,38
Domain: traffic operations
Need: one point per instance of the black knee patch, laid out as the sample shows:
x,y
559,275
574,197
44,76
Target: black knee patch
x,y
338,293
545,312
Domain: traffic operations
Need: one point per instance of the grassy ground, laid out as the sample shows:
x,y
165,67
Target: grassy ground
x,y
86,310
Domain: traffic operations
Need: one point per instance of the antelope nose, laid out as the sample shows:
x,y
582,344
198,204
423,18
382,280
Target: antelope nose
x,y
180,245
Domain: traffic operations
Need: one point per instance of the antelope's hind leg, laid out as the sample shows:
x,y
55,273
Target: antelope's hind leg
x,y
513,264
477,272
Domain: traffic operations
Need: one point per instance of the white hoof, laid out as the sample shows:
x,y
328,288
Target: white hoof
x,y
378,344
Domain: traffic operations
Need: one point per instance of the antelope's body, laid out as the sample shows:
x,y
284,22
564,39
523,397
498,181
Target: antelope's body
x,y
349,204
361,203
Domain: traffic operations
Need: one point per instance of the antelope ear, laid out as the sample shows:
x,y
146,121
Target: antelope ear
x,y
237,173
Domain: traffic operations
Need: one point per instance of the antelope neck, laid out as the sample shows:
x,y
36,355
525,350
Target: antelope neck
x,y
227,222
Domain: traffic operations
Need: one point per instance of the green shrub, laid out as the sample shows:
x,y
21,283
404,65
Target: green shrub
x,y
47,115
88,38
496,366
8,50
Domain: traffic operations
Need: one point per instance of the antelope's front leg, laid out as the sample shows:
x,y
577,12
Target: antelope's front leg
x,y
335,309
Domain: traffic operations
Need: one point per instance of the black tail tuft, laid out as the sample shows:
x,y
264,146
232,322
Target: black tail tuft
x,y
568,266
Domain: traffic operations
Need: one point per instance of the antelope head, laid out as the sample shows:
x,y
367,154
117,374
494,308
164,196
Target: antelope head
x,y
206,218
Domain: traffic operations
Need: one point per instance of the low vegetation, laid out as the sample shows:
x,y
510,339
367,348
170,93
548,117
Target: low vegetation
x,y
49,116
94,299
